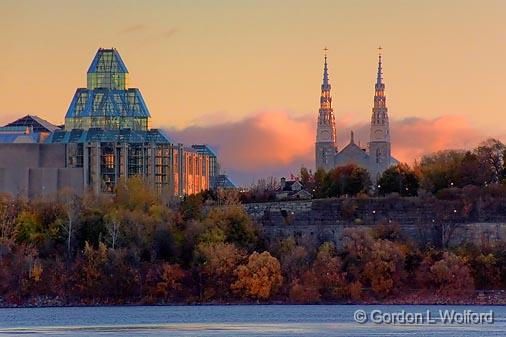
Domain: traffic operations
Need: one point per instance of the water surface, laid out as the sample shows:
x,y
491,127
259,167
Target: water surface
x,y
239,320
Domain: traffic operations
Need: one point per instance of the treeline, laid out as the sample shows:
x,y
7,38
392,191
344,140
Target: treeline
x,y
436,173
138,248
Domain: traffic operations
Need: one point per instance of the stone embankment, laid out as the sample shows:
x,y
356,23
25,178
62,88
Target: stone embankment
x,y
426,221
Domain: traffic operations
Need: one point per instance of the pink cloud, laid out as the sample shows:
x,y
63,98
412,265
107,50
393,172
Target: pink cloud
x,y
276,143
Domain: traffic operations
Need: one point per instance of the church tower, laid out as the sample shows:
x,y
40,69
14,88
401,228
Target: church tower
x,y
325,147
379,145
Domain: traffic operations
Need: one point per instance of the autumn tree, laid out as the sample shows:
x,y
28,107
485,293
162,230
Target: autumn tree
x,y
235,224
357,246
218,262
260,278
9,210
327,266
451,276
399,179
294,258
306,289
385,267
87,277
167,280
440,170
347,180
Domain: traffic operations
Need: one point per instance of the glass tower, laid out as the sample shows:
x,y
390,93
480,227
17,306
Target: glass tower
x,y
106,134
107,102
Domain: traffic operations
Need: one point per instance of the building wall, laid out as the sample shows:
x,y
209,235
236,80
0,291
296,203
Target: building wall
x,y
31,170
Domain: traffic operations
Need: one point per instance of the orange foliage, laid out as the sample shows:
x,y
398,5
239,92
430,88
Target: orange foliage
x,y
260,278
170,283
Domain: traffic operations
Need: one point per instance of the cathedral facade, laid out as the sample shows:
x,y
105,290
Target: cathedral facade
x,y
376,157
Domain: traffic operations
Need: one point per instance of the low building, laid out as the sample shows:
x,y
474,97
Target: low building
x,y
292,189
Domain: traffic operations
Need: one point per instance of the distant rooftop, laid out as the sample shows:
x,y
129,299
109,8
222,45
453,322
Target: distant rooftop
x,y
223,181
114,136
36,123
203,148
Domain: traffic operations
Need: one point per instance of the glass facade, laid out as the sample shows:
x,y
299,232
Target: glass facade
x,y
107,102
107,134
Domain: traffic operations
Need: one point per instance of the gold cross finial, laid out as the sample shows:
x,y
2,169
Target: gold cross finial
x,y
379,50
325,51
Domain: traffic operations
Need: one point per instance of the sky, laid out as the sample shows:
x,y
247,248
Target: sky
x,y
245,76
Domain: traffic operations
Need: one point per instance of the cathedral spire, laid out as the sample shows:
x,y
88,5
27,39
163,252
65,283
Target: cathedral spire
x,y
325,84
379,79
326,129
379,145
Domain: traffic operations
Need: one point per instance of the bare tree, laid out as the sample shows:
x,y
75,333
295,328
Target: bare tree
x,y
228,196
491,154
113,224
72,205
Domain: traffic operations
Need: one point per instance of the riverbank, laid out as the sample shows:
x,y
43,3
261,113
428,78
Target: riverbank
x,y
488,297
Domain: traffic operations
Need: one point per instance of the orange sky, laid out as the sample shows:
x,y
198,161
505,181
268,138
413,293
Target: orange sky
x,y
205,63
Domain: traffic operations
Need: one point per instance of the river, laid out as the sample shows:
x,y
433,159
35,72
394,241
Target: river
x,y
255,320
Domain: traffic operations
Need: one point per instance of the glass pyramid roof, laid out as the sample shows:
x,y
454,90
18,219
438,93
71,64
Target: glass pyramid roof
x,y
107,102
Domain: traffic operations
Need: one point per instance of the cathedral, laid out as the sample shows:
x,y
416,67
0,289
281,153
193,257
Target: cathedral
x,y
376,158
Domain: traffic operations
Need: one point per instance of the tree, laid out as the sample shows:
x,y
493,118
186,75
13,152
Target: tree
x,y
451,276
218,262
306,178
305,289
235,224
113,223
9,210
293,257
399,179
491,154
357,244
260,278
327,266
168,283
135,194
472,171
191,207
321,184
385,268
72,207
440,170
347,180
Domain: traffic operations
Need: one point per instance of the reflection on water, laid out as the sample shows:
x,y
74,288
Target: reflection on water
x,y
275,320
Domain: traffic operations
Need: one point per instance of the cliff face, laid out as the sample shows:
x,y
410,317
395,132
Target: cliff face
x,y
426,221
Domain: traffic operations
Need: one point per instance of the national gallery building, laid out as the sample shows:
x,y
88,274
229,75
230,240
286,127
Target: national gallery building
x,y
105,138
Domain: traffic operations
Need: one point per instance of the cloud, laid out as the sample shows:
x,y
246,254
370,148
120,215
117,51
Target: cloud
x,y
414,137
276,143
132,29
267,139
